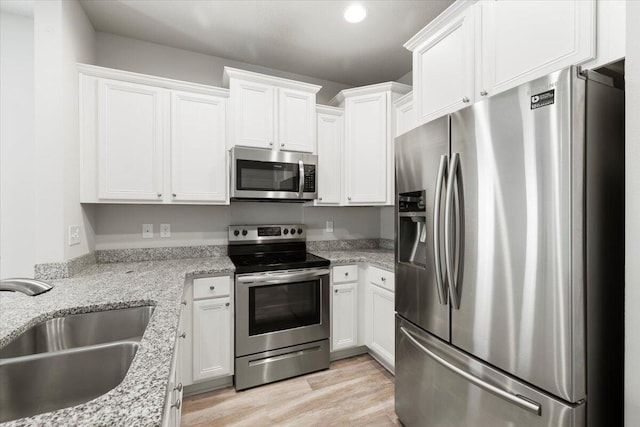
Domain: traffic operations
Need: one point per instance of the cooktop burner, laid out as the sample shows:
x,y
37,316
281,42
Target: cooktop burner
x,y
254,248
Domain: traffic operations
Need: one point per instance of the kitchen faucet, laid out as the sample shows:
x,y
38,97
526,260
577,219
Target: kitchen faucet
x,y
29,287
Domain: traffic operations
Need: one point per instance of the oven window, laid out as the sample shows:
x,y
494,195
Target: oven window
x,y
267,176
286,306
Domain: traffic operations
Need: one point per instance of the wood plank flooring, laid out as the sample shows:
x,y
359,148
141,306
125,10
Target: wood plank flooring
x,y
352,392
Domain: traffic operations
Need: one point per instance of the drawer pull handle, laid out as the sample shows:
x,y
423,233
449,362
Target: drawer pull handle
x,y
178,387
183,335
384,279
177,404
183,303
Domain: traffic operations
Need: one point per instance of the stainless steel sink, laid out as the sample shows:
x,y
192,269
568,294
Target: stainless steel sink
x,y
80,330
45,382
68,360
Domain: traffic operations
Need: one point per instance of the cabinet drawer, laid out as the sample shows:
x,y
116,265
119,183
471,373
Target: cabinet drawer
x,y
383,278
211,287
345,273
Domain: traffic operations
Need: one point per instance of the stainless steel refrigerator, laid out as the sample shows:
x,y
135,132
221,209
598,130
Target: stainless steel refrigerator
x,y
509,259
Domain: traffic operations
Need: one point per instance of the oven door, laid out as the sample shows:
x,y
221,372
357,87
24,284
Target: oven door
x,y
280,309
262,174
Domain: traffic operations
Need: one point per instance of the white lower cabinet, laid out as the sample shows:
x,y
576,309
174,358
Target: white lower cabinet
x,y
212,335
175,387
208,329
380,315
344,307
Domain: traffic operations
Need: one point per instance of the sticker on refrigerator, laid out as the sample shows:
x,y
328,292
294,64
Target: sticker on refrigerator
x,y
543,99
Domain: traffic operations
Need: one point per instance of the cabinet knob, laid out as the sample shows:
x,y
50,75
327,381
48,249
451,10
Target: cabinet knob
x,y
384,279
177,404
227,304
465,99
212,288
349,198
174,194
320,198
335,290
483,92
282,145
159,194
183,302
178,387
346,273
183,335
271,143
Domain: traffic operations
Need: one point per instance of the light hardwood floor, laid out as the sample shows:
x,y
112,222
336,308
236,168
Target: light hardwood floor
x,y
352,392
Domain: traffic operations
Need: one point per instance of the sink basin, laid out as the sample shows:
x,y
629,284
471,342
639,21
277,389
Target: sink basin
x,y
45,382
80,330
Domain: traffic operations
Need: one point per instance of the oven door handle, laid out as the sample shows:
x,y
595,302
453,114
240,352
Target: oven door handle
x,y
282,277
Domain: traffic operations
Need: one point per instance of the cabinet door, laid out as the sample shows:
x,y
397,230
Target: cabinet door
x,y
405,117
380,322
296,120
443,76
329,159
524,40
130,134
212,353
366,142
253,106
344,308
198,151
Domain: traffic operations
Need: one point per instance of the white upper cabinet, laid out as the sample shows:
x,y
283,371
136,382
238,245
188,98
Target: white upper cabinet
x,y
130,142
147,139
366,149
405,114
271,112
330,130
524,40
443,65
297,121
198,154
368,171
252,114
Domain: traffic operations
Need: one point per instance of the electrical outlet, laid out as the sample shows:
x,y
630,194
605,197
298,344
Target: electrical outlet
x,y
74,235
329,227
165,230
147,231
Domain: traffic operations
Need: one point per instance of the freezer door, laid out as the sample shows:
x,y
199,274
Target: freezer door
x,y
420,296
520,292
437,385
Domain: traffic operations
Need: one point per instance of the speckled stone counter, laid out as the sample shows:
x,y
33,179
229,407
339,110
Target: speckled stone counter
x,y
139,399
382,258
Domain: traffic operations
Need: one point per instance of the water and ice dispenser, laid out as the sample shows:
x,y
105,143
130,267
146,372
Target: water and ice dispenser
x,y
412,228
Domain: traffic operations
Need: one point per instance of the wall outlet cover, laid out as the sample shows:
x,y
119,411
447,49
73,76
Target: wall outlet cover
x,y
147,231
74,235
329,227
165,230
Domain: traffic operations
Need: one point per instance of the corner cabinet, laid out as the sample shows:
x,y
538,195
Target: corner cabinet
x,y
146,139
368,145
271,112
330,136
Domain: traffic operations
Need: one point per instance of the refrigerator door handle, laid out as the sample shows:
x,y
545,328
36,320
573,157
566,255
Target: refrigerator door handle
x,y
518,400
440,279
448,231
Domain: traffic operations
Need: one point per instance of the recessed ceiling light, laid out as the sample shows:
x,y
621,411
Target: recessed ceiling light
x,y
355,13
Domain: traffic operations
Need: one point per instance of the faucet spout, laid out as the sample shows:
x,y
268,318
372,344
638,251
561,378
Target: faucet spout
x,y
29,287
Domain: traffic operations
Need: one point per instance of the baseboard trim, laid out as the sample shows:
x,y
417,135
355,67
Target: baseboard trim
x,y
348,352
207,386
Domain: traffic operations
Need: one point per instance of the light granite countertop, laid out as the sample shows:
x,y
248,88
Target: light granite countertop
x,y
139,399
383,258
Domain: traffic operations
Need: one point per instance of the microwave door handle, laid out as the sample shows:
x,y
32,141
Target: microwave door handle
x,y
301,179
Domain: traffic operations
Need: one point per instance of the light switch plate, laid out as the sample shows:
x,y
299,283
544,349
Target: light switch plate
x,y
165,230
147,231
329,227
74,235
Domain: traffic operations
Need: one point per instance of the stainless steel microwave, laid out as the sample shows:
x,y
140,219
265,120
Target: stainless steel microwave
x,y
261,174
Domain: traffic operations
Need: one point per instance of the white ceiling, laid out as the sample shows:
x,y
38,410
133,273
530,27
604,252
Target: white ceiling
x,y
308,37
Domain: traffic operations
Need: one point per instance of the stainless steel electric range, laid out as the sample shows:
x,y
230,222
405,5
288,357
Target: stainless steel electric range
x,y
281,304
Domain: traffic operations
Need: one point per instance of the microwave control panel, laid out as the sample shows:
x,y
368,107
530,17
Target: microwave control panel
x,y
309,178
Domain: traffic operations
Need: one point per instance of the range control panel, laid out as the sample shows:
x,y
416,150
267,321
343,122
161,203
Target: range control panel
x,y
266,233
